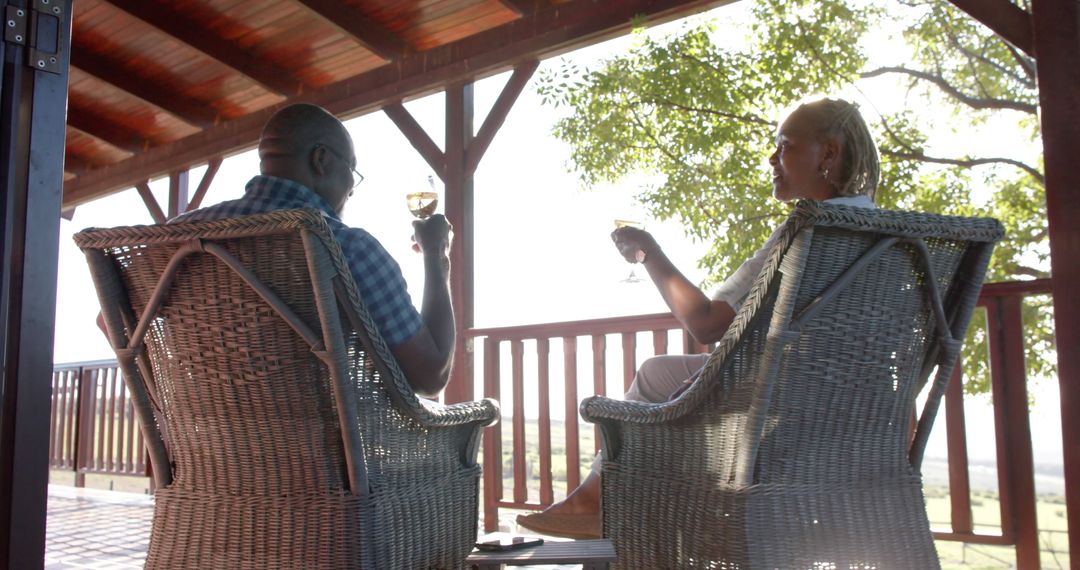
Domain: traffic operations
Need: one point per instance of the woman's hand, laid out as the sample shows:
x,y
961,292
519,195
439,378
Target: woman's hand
x,y
634,244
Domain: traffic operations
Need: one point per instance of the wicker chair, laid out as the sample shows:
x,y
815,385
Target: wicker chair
x,y
281,432
795,447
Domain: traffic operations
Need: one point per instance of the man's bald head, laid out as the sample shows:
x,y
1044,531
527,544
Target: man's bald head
x,y
306,144
295,129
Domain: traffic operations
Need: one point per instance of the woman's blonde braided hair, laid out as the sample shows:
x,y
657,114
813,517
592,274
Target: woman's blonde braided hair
x,y
859,168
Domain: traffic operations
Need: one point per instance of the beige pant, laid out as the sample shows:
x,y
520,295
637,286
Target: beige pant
x,y
659,376
656,379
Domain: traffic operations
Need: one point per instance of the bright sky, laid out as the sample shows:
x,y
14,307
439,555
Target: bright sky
x,y
542,248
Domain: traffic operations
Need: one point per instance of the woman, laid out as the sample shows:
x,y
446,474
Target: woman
x,y
824,152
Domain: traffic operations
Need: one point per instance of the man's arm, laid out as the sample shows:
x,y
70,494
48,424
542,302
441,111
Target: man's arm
x,y
426,357
706,319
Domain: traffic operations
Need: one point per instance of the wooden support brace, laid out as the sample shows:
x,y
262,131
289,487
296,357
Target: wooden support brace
x,y
419,138
212,168
497,115
151,203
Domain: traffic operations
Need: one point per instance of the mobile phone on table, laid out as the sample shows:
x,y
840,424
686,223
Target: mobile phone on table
x,y
509,543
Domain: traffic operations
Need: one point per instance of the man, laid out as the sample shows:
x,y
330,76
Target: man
x,y
307,160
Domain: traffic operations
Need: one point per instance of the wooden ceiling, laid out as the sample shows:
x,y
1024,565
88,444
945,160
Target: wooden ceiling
x,y
158,86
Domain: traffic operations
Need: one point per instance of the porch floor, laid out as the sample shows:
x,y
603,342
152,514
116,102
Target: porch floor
x,y
109,530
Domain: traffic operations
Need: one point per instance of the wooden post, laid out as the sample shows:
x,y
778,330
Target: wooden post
x,y
459,211
178,193
1056,26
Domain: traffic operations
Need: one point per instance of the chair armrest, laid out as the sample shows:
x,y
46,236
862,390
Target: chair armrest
x,y
484,412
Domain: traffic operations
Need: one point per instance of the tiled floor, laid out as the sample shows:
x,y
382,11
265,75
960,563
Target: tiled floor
x,y
102,530
107,530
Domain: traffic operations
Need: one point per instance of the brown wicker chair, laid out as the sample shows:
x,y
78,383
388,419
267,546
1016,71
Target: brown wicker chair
x,y
281,431
794,447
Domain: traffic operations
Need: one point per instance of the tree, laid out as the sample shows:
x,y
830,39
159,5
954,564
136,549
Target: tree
x,y
700,118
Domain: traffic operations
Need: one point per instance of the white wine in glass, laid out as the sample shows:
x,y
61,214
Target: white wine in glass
x,y
640,255
422,204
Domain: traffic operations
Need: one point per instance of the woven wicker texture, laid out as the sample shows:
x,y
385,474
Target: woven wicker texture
x,y
792,449
282,433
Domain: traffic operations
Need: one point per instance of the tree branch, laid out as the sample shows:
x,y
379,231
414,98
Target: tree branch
x,y
973,102
967,162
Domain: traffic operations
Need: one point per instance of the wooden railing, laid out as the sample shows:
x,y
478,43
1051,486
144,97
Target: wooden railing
x,y
92,421
94,429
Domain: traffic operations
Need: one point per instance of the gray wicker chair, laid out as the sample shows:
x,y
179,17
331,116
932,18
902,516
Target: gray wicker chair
x,y
795,447
281,431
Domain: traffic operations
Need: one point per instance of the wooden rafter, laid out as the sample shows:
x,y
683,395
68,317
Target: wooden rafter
x,y
573,24
371,35
1006,19
76,164
196,35
192,112
525,7
103,129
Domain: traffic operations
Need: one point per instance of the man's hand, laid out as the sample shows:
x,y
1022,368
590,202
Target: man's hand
x,y
433,235
634,244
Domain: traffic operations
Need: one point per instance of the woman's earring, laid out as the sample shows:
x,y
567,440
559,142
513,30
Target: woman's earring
x,y
825,174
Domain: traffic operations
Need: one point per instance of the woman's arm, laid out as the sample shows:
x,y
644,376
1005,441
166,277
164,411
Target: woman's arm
x,y
707,320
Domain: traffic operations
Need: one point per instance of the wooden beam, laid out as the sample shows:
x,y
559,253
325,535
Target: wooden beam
x,y
195,34
143,189
371,35
204,184
193,112
497,115
76,165
418,137
558,29
103,129
1057,49
525,7
1006,19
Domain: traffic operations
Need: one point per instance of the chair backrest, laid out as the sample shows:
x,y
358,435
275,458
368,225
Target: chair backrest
x,y
246,373
820,373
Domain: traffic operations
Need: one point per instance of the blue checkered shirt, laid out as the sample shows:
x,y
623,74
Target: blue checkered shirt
x,y
377,275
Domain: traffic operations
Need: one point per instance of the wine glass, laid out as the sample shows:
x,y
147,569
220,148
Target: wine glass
x,y
632,278
422,204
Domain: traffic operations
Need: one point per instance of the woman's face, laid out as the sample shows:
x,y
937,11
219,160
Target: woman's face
x,y
800,160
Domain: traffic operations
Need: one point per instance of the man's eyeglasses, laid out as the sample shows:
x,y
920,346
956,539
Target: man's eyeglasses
x,y
356,176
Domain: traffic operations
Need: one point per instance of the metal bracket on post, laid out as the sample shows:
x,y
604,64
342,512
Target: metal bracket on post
x,y
15,25
44,51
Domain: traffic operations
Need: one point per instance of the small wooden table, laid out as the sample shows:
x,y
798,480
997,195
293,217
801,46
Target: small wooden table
x,y
591,554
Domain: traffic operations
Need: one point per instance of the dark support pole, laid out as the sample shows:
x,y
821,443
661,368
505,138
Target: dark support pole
x,y
178,193
459,210
1057,50
33,100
